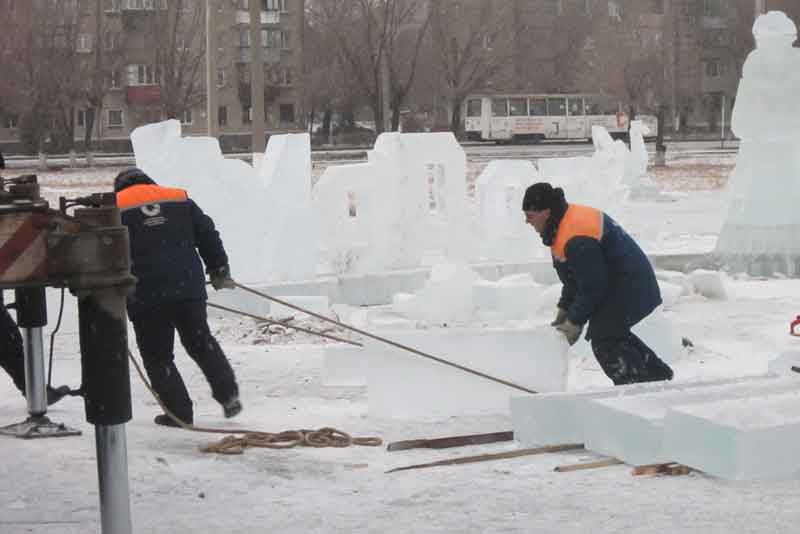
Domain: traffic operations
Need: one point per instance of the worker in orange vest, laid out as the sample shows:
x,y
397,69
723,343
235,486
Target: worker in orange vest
x,y
608,282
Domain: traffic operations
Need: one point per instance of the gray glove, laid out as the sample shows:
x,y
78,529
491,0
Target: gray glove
x,y
561,316
221,278
570,330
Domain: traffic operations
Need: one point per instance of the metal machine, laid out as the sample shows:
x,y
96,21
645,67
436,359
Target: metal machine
x,y
88,253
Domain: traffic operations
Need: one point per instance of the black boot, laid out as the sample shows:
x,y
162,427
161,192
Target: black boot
x,y
165,420
655,369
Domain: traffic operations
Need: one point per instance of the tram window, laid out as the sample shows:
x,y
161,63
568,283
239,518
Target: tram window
x,y
592,108
575,107
499,107
556,106
474,107
518,107
539,107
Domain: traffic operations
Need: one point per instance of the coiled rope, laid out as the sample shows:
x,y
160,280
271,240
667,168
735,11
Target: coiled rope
x,y
231,444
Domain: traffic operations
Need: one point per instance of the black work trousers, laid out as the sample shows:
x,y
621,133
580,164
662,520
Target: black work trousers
x,y
12,355
626,359
155,336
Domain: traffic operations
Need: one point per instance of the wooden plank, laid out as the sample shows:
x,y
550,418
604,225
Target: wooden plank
x,y
670,468
587,465
451,441
493,456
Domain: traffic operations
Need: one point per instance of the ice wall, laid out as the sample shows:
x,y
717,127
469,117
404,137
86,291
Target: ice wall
x,y
759,235
259,236
597,180
290,224
504,236
410,199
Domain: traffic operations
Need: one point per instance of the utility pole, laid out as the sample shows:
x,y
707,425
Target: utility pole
x,y
211,69
256,82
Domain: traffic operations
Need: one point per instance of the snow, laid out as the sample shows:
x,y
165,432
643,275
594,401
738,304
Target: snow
x,y
51,485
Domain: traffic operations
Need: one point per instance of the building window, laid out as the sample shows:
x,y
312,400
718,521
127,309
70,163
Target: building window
x,y
84,42
220,77
10,122
715,68
244,37
114,118
81,118
712,8
111,6
246,115
114,80
275,39
552,7
222,116
286,113
186,117
111,41
273,5
614,10
143,75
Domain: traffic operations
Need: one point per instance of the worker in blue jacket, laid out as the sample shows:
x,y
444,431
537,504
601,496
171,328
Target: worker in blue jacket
x,y
167,230
607,281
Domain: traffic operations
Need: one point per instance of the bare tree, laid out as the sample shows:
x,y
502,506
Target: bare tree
x,y
41,75
473,41
98,68
326,82
410,20
178,37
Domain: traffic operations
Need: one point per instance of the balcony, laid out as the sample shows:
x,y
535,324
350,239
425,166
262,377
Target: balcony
x,y
267,17
143,95
268,55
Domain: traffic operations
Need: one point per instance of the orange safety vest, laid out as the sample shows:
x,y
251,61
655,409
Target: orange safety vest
x,y
578,221
144,194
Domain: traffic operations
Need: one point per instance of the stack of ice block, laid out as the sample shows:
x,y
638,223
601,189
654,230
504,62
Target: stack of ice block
x,y
555,418
738,439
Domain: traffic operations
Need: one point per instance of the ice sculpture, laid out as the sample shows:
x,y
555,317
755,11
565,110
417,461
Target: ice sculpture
x,y
760,234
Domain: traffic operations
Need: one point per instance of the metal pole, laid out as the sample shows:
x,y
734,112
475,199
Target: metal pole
x,y
211,70
107,397
34,371
256,82
722,130
112,472
32,317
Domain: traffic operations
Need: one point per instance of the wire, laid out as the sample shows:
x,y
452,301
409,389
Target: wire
x,y
52,340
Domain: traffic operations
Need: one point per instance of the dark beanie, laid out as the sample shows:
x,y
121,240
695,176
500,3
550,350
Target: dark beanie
x,y
541,196
131,177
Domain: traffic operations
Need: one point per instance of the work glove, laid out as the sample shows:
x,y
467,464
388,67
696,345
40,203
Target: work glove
x,y
221,278
570,330
561,316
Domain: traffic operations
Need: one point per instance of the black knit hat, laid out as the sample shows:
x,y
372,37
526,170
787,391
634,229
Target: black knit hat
x,y
131,177
541,196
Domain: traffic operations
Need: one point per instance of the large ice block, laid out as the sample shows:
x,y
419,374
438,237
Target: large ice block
x,y
632,428
741,439
401,384
553,418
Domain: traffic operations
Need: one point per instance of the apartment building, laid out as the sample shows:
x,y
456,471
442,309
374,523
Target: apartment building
x,y
152,54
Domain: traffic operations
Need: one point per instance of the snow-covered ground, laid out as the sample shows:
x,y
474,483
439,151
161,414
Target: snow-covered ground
x,y
51,485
